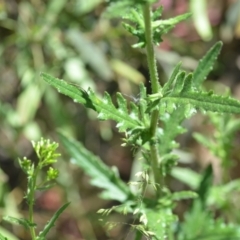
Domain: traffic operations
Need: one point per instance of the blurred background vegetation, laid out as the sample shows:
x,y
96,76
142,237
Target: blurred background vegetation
x,y
73,41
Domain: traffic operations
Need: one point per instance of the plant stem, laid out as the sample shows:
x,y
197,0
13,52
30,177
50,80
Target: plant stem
x,y
150,50
32,186
152,66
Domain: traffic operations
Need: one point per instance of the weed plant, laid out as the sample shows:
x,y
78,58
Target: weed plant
x,y
150,126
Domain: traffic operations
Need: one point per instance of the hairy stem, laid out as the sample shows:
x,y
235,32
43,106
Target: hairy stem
x,y
155,89
152,66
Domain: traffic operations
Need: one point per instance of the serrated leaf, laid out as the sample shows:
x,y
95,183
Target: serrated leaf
x,y
188,83
206,101
179,83
104,107
50,224
101,175
206,64
171,21
171,129
77,94
107,110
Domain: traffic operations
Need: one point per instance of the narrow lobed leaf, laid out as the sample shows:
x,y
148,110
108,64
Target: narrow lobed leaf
x,y
206,64
50,224
188,83
206,101
179,83
171,21
172,78
104,107
19,221
101,175
77,94
107,110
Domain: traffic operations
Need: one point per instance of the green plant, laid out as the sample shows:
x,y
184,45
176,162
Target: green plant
x,y
150,127
46,153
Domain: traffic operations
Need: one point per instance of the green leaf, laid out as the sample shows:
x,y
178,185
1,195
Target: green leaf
x,y
172,21
101,175
187,176
177,196
171,128
232,126
77,94
184,93
159,222
19,221
107,110
206,64
217,194
105,107
172,78
159,27
199,224
178,87
50,224
205,141
118,8
6,235
206,101
205,184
